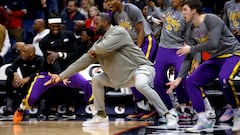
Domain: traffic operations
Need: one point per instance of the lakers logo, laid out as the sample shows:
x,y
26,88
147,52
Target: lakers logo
x,y
125,25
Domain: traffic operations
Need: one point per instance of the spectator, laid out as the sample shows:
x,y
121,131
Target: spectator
x,y
39,27
70,14
84,7
4,17
16,10
78,26
106,8
86,41
93,12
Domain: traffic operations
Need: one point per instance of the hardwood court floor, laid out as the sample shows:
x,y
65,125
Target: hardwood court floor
x,y
117,127
65,128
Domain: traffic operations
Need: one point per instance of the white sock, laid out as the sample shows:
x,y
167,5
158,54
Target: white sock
x,y
202,117
23,107
207,104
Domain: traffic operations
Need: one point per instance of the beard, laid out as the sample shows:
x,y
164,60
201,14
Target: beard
x,y
100,31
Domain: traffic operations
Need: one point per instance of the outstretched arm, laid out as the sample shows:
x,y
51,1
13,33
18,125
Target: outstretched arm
x,y
55,78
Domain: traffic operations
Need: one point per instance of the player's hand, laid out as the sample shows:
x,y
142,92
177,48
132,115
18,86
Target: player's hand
x,y
66,81
163,17
16,83
91,54
16,76
54,79
184,50
21,83
16,80
173,84
52,56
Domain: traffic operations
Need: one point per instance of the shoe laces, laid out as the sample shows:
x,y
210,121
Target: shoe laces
x,y
171,117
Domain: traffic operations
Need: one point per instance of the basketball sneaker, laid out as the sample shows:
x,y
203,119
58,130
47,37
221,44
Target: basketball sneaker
x,y
174,113
211,114
162,119
18,116
236,120
236,124
186,113
227,115
96,121
203,124
172,121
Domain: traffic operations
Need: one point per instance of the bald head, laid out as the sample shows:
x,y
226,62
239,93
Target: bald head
x,y
78,25
29,48
38,25
28,52
19,46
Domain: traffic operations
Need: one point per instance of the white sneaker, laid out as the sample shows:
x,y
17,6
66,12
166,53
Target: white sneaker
x,y
211,114
174,113
172,121
200,127
203,124
236,124
162,119
96,121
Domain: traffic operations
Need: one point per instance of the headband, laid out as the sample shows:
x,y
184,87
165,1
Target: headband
x,y
54,20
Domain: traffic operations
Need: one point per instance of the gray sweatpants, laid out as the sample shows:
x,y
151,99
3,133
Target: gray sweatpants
x,y
142,80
